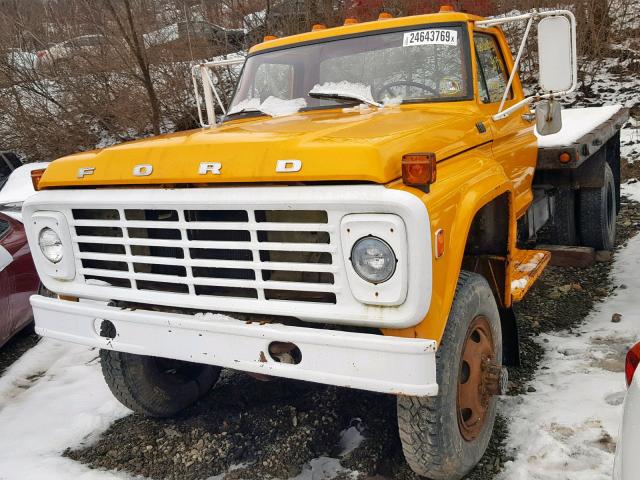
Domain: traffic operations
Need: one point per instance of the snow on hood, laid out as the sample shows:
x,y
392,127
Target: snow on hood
x,y
272,106
357,91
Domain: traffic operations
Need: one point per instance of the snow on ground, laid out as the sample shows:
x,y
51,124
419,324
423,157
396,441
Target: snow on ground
x,y
54,397
327,468
324,468
630,141
577,122
567,428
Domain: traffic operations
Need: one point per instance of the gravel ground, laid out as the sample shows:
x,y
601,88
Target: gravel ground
x,y
14,348
262,430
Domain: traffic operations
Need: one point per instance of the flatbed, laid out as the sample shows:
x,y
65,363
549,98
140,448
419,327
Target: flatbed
x,y
584,131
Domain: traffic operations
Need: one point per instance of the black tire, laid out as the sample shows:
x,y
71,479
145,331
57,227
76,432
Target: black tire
x,y
30,328
563,229
45,292
429,427
153,386
598,214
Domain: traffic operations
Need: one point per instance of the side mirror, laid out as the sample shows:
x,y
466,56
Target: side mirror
x,y
548,117
555,46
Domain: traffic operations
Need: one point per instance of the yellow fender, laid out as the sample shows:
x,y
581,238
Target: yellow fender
x,y
474,188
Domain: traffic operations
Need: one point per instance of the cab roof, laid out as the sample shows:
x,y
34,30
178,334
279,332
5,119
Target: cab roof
x,y
381,24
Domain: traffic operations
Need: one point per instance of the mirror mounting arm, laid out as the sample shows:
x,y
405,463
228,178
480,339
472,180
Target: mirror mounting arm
x,y
209,89
516,64
530,17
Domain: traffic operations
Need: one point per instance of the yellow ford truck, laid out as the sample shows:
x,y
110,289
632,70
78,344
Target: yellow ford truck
x,y
363,214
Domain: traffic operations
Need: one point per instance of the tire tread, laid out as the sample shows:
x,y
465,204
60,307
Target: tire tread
x,y
427,447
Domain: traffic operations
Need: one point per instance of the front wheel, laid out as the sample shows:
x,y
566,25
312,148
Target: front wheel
x,y
154,386
444,437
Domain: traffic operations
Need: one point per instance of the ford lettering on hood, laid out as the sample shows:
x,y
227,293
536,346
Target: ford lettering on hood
x,y
343,145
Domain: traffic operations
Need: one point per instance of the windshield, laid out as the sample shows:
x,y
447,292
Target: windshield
x,y
418,64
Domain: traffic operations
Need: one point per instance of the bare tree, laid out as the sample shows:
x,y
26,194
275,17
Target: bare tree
x,y
123,15
113,70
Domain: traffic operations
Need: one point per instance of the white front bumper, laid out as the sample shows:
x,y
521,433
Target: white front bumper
x,y
371,362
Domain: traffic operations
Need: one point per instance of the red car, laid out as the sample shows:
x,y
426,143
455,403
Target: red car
x,y
18,278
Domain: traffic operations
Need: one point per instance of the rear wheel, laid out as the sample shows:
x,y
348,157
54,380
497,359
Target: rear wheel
x,y
154,386
598,213
443,437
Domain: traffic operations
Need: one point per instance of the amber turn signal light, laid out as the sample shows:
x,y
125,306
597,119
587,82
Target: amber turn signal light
x,y
318,26
419,170
36,175
68,298
268,38
565,157
439,243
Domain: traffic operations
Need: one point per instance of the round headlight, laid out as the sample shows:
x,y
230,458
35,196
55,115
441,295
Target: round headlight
x,y
373,259
50,245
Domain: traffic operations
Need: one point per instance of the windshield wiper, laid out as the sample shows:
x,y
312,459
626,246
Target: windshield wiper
x,y
345,98
345,91
244,110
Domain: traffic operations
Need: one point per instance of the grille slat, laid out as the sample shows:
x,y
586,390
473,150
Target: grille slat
x,y
236,226
297,247
308,267
223,282
275,255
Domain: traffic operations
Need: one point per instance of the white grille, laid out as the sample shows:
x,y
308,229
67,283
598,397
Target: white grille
x,y
254,254
265,250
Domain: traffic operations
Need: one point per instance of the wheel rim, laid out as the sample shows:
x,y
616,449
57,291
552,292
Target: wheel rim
x,y
477,379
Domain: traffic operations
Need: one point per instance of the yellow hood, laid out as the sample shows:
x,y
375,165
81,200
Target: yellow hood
x,y
331,145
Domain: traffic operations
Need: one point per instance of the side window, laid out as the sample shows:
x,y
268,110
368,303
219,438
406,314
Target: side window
x,y
273,79
492,72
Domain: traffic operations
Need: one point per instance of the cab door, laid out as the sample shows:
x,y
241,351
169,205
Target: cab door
x,y
515,144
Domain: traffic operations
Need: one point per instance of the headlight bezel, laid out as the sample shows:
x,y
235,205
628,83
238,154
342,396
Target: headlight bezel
x,y
385,245
65,269
391,229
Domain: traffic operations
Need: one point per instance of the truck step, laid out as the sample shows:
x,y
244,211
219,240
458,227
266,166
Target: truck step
x,y
527,265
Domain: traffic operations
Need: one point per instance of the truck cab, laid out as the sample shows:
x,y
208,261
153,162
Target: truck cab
x,y
357,217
